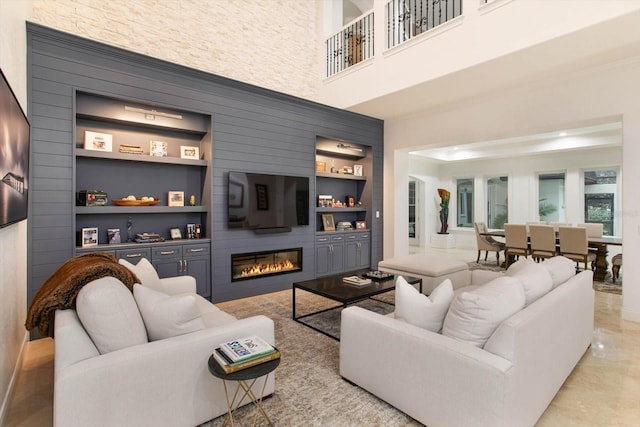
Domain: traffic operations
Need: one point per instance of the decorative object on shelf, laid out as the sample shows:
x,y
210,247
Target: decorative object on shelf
x,y
97,141
89,237
328,224
198,231
158,148
133,201
176,234
337,204
175,198
129,229
130,149
333,166
192,200
91,198
344,226
357,170
321,166
191,231
347,170
361,225
324,200
113,236
444,210
262,197
149,238
350,201
187,152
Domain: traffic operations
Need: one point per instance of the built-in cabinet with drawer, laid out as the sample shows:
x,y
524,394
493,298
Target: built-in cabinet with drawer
x,y
115,153
337,252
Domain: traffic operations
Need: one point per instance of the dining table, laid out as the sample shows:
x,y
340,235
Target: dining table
x,y
600,244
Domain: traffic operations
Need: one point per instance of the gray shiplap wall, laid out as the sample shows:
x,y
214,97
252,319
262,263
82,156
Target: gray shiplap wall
x,y
253,129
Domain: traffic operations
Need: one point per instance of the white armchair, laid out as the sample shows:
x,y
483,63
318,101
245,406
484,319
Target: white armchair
x,y
157,383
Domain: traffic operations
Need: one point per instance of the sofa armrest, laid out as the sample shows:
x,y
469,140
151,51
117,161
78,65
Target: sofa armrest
x,y
165,382
178,285
424,374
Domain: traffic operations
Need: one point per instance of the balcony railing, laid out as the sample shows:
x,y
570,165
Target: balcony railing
x,y
353,44
409,18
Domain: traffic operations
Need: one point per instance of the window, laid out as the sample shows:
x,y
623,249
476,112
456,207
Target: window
x,y
551,197
412,209
465,202
600,188
497,201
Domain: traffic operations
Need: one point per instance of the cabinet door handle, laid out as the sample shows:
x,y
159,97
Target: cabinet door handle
x,y
167,252
133,255
196,250
184,269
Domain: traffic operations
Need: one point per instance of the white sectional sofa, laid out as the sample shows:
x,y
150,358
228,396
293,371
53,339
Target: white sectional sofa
x,y
108,372
442,381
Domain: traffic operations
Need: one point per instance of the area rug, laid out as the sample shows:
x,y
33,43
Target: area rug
x,y
607,286
309,390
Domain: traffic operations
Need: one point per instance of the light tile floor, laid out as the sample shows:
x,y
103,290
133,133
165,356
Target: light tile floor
x,y
603,390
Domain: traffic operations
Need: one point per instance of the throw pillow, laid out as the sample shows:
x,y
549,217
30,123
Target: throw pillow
x,y
561,269
535,280
474,315
420,310
521,263
110,316
166,316
145,272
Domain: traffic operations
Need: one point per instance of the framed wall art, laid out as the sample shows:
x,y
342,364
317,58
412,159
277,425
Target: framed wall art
x,y
98,141
187,152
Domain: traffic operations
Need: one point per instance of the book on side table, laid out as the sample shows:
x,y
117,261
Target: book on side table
x,y
244,353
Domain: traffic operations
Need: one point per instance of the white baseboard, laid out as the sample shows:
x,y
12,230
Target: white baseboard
x,y
14,380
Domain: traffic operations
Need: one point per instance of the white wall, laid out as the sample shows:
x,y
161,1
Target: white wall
x,y
13,239
557,102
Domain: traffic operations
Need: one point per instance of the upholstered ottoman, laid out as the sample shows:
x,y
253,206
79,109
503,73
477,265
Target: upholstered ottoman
x,y
432,269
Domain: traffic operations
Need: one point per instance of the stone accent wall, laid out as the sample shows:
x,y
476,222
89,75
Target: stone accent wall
x,y
269,43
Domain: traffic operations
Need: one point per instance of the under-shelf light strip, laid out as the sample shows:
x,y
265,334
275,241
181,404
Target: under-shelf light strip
x,y
153,112
349,147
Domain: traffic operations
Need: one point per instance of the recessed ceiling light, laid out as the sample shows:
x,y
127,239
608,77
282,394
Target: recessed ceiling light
x,y
563,134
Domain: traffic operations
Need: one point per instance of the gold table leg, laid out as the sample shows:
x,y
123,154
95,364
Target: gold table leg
x,y
257,401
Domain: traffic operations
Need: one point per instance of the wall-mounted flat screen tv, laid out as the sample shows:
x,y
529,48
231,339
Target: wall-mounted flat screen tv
x,y
267,203
14,157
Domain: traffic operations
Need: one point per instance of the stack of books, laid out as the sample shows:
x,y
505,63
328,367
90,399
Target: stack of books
x,y
130,149
356,280
244,353
148,238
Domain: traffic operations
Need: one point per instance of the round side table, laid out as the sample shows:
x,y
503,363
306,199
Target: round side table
x,y
245,379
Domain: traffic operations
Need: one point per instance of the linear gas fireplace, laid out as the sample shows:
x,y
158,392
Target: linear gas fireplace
x,y
268,263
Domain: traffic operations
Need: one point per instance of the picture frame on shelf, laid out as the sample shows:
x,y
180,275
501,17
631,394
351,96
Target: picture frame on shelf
x,y
158,148
175,233
321,166
357,170
98,141
328,223
89,237
189,152
361,225
175,199
113,236
350,201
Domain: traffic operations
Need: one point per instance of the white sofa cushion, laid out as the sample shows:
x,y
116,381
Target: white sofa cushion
x,y
476,313
420,310
145,272
166,316
535,279
560,268
109,314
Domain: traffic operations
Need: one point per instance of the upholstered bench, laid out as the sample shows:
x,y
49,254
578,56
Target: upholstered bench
x,y
431,268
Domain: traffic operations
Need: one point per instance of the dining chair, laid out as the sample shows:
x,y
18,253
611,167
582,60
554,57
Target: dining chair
x,y
557,225
574,245
487,243
616,263
543,241
594,229
516,242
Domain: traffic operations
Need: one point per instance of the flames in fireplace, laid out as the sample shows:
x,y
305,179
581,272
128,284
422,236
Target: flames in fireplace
x,y
260,268
251,265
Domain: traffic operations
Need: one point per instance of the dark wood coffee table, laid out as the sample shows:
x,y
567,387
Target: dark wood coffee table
x,y
333,288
